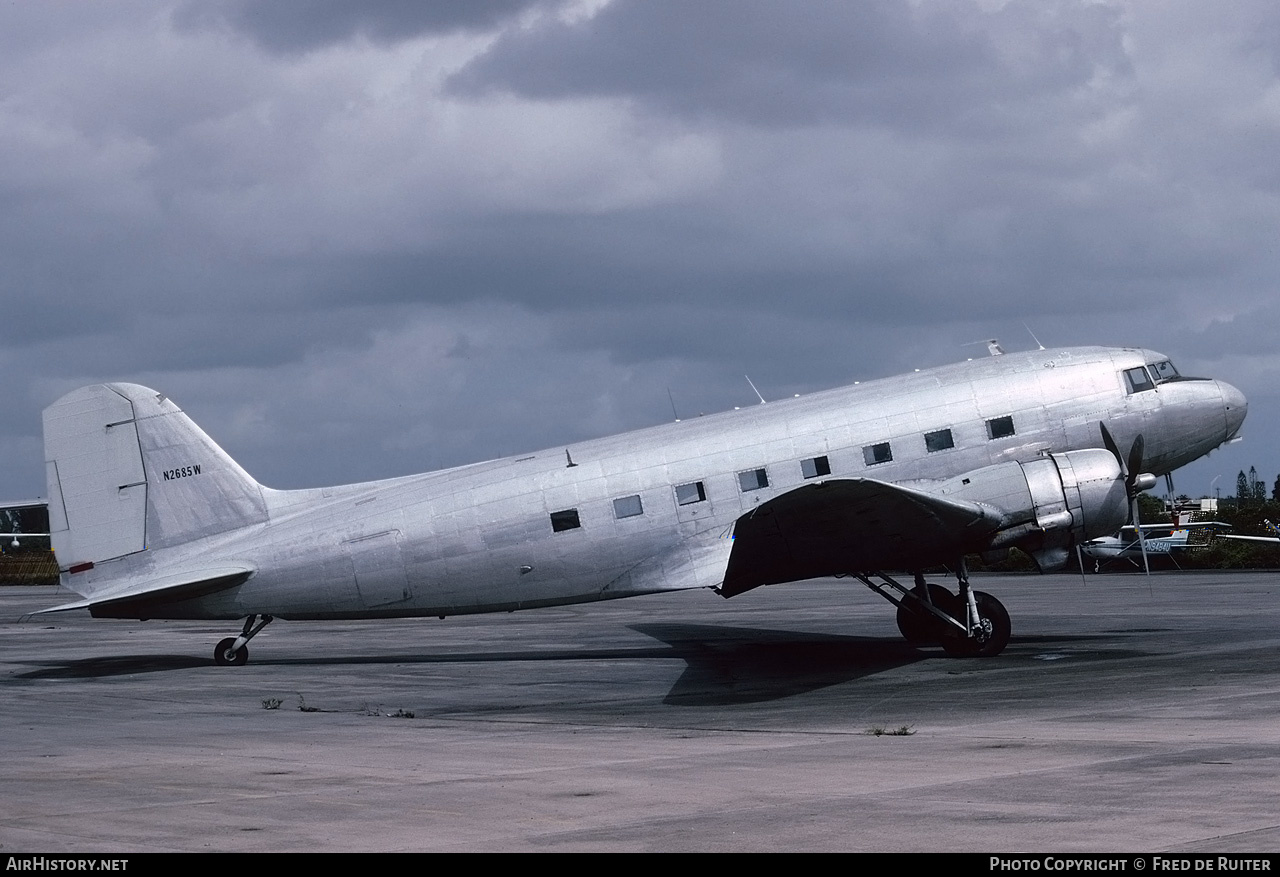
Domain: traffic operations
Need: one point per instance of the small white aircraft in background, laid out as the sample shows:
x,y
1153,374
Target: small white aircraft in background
x,y
1270,526
1165,540
149,518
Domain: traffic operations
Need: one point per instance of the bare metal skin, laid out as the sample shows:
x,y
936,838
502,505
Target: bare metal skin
x,y
149,518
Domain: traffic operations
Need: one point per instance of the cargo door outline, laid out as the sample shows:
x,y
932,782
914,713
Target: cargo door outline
x,y
377,564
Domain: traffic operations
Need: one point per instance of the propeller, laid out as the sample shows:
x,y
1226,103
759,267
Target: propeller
x,y
1135,481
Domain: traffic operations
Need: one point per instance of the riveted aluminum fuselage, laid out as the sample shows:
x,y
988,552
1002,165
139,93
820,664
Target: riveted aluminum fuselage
x,y
480,538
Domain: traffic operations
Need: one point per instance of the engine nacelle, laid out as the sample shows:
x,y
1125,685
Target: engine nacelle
x,y
1048,505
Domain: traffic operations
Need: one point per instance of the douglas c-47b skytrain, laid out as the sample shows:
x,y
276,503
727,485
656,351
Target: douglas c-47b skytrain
x,y
149,518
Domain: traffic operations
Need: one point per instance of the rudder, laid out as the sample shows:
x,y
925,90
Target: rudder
x,y
128,471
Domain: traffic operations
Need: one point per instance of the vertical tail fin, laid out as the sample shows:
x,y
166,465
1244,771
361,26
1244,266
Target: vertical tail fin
x,y
128,471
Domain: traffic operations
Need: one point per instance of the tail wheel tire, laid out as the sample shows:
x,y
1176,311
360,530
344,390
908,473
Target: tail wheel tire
x,y
991,639
917,624
227,655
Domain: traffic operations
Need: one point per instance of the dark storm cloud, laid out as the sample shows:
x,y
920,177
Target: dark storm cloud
x,y
931,65
303,25
474,229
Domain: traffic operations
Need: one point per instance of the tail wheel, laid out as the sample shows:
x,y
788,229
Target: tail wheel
x,y
993,633
227,655
919,625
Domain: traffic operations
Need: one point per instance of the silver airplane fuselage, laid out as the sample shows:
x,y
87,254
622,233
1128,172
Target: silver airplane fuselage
x,y
647,511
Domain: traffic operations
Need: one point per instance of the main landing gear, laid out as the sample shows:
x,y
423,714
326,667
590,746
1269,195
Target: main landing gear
x,y
968,624
232,651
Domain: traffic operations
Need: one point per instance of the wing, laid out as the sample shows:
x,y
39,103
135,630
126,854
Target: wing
x,y
1272,539
128,597
850,525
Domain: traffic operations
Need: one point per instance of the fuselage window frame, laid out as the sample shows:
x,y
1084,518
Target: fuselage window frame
x,y
690,493
628,507
1000,427
753,479
565,520
939,440
815,467
875,455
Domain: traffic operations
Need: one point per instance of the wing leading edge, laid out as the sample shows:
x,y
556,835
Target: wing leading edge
x,y
850,525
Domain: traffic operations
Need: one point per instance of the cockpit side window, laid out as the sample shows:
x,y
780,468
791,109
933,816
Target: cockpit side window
x,y
1163,371
1137,380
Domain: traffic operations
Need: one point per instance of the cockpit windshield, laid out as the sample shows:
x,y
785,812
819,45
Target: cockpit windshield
x,y
1163,371
1137,381
1150,376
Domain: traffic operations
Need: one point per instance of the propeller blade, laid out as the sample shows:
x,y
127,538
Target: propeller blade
x,y
1142,541
1134,482
1111,446
1135,460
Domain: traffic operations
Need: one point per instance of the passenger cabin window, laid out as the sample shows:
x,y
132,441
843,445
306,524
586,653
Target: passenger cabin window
x,y
753,479
1137,380
874,454
565,520
1000,427
688,494
815,467
938,441
627,507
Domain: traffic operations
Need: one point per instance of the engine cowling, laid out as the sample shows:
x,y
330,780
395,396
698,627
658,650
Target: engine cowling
x,y
1048,505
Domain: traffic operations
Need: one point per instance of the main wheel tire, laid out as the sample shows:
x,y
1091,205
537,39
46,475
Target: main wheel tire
x,y
991,640
226,655
917,624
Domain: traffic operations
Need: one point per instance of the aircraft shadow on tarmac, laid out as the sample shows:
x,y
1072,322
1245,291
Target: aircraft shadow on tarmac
x,y
116,665
724,665
727,665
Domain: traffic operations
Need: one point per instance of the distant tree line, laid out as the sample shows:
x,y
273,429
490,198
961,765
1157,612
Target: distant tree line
x,y
1250,488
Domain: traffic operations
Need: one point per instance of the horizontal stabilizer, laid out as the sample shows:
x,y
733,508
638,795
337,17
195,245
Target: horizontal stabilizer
x,y
124,599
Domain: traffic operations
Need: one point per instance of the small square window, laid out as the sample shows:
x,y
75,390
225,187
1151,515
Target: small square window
x,y
565,520
627,507
1000,427
688,494
874,454
815,467
938,441
753,479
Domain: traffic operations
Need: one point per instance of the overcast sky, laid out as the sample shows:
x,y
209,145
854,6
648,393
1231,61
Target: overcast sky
x,y
359,240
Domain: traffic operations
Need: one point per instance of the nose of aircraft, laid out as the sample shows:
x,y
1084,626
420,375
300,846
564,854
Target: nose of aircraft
x,y
1234,406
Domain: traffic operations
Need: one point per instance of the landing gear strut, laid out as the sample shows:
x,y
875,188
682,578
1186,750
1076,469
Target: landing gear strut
x,y
968,624
232,651
989,625
916,622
